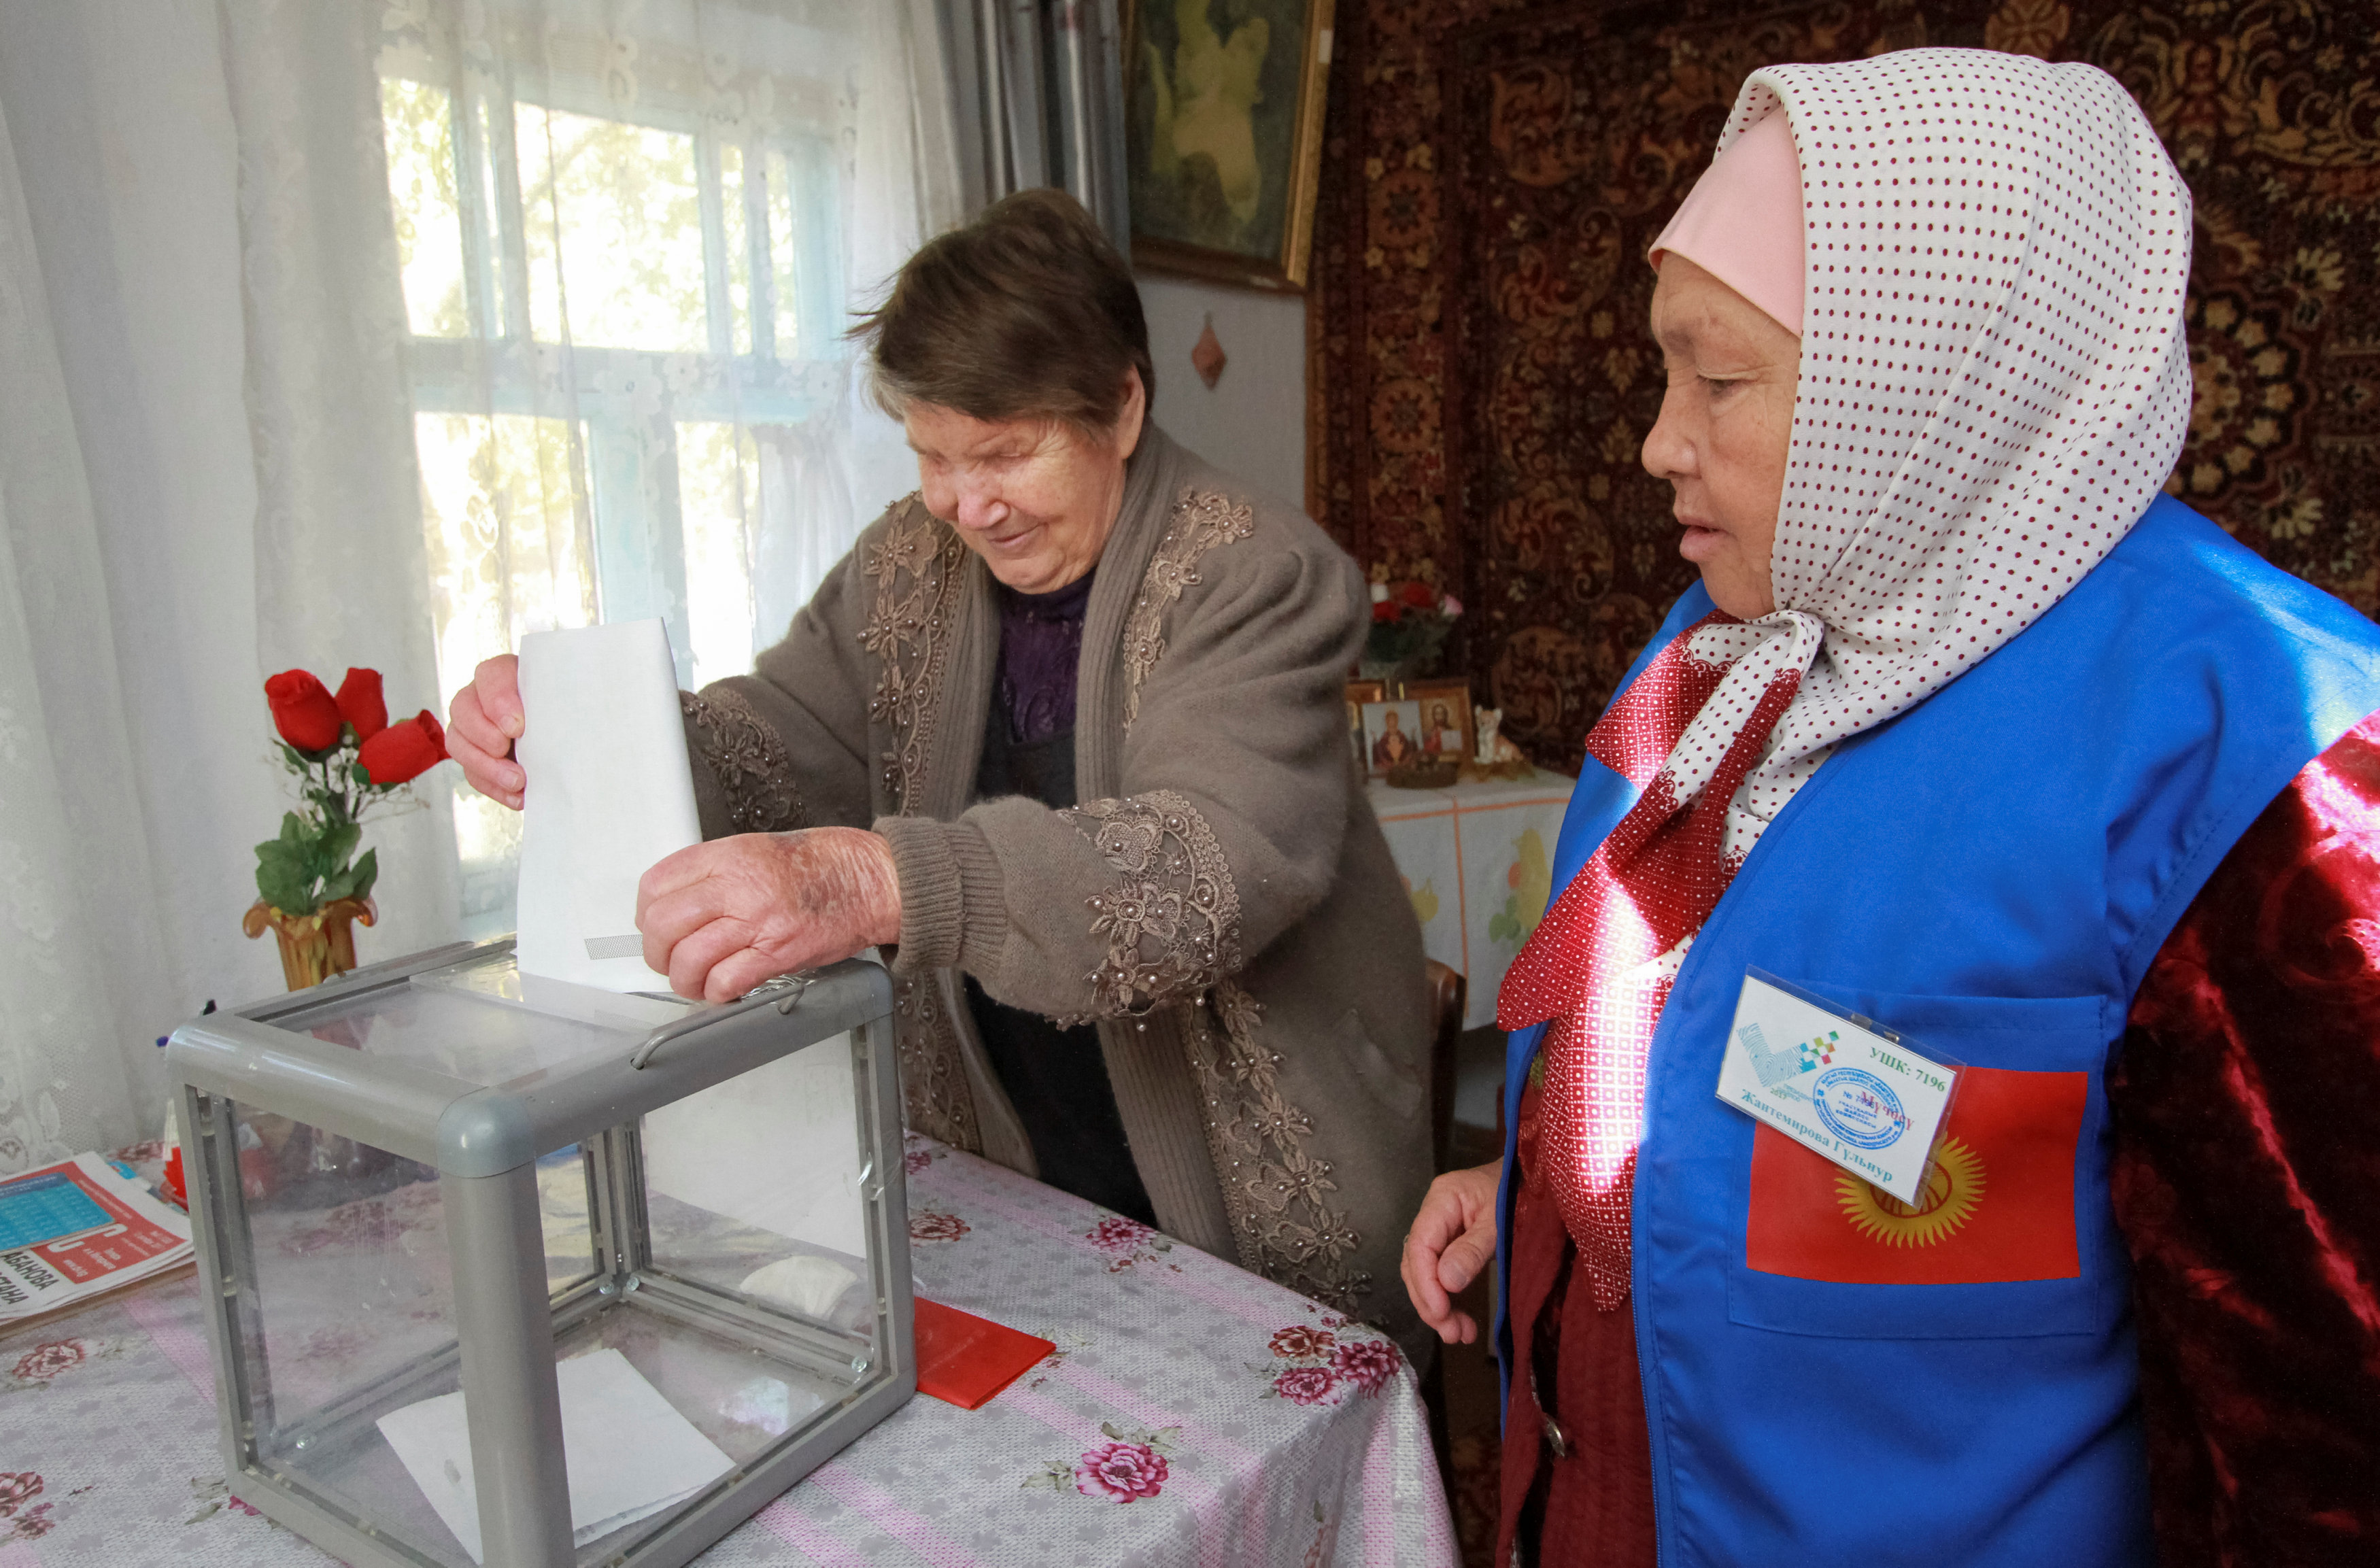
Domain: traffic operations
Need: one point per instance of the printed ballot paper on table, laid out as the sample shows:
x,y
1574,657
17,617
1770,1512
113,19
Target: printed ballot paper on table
x,y
627,1453
1863,1097
610,792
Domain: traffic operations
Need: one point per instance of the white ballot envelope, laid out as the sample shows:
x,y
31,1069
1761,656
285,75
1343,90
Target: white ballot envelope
x,y
609,793
627,1453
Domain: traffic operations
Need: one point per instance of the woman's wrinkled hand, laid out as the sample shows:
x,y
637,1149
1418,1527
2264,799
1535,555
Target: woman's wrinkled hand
x,y
481,724
720,918
1452,1240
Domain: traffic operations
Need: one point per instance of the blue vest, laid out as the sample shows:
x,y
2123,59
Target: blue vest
x,y
1990,874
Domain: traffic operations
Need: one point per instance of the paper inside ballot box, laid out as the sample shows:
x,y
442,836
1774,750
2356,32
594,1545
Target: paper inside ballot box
x,y
610,792
627,1451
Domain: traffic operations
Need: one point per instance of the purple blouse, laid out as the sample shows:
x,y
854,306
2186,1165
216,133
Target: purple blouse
x,y
1040,646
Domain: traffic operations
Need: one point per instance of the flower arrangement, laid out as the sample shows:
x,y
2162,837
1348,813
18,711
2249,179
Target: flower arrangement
x,y
1410,621
349,761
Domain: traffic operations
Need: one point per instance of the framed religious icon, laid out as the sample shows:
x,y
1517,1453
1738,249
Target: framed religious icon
x,y
1223,135
1359,693
1445,730
1390,735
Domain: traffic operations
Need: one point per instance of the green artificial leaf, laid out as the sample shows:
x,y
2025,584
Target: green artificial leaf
x,y
293,831
339,842
360,774
280,887
289,755
367,873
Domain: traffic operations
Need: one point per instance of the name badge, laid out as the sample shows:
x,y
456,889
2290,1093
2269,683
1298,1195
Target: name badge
x,y
1836,1084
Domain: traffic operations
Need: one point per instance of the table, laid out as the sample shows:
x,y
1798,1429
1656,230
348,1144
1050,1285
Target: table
x,y
1192,1413
1479,862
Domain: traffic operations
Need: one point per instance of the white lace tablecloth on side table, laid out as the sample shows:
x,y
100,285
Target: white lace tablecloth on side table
x,y
1192,1413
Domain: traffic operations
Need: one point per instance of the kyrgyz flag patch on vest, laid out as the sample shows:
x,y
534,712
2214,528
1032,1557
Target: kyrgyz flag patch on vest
x,y
1998,1202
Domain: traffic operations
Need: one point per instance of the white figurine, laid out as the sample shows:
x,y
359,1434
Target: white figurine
x,y
1494,750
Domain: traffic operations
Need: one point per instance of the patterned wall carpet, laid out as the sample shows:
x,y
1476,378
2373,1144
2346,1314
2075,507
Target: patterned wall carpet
x,y
1480,377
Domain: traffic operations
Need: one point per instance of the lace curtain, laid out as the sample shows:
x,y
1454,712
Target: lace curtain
x,y
585,268
78,936
380,332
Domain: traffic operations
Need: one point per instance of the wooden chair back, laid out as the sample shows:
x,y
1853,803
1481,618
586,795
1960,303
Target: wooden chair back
x,y
1447,991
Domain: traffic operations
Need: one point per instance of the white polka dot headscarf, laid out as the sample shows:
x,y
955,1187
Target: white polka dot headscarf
x,y
1994,384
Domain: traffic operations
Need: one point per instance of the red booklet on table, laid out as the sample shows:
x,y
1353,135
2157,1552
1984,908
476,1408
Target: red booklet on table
x,y
964,1359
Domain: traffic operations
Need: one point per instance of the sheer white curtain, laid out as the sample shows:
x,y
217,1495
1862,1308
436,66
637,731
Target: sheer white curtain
x,y
340,571
379,332
586,268
78,927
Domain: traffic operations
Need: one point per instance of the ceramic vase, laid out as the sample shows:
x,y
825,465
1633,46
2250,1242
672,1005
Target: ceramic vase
x,y
316,946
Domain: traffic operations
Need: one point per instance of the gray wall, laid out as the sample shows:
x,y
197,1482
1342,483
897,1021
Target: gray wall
x,y
1253,424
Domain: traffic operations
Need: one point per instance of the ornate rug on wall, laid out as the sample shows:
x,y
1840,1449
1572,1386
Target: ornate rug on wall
x,y
1479,376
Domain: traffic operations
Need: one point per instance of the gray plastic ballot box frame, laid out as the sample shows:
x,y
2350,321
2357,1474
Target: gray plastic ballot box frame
x,y
484,1142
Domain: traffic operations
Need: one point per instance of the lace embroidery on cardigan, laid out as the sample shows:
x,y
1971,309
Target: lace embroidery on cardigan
x,y
1275,1190
934,1090
1172,924
1201,520
753,771
915,569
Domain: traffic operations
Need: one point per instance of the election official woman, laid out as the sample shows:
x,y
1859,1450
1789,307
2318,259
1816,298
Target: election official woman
x,y
1972,733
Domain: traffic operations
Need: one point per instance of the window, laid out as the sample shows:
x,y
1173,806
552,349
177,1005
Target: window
x,y
623,272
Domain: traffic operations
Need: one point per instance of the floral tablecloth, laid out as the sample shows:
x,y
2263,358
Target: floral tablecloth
x,y
1192,1413
1477,861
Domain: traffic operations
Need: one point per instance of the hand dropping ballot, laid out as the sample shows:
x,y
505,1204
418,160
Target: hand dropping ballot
x,y
609,793
1858,1096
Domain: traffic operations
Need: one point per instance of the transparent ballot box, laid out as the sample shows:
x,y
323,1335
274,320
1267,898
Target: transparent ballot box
x,y
511,1272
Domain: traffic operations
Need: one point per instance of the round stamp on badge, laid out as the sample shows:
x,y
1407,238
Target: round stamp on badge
x,y
1859,1108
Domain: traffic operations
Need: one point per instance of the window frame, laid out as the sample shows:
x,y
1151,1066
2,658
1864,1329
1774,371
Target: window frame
x,y
625,462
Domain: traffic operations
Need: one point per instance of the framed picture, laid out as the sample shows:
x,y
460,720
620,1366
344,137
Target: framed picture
x,y
1445,728
1359,693
1223,135
1390,738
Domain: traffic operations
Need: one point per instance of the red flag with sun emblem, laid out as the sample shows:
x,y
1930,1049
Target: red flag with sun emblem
x,y
1998,1202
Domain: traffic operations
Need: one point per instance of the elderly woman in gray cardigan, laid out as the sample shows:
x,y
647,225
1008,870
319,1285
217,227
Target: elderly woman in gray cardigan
x,y
1065,736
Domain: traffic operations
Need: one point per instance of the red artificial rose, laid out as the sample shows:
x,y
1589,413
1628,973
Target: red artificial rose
x,y
404,750
1419,594
303,710
361,704
1387,610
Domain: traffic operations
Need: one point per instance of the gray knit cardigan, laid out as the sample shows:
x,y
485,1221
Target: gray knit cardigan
x,y
1223,903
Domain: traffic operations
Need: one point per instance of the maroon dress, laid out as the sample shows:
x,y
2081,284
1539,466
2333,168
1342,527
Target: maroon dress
x,y
2246,1110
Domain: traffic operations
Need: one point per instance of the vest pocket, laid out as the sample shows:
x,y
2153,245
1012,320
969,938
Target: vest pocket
x,y
2013,1237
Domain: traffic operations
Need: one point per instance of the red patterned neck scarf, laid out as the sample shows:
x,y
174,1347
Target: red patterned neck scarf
x,y
1600,964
